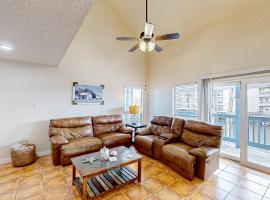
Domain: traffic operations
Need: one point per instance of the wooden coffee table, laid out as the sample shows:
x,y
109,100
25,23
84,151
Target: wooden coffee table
x,y
101,177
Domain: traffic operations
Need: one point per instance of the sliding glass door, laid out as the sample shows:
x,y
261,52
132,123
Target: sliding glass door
x,y
226,112
256,123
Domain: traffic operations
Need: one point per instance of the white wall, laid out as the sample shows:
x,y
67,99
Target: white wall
x,y
239,42
93,57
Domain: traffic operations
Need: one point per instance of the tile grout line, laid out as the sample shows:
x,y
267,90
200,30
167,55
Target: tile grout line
x,y
42,166
18,185
268,188
242,178
66,182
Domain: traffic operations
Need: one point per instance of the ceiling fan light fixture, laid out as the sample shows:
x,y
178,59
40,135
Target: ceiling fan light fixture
x,y
151,46
143,46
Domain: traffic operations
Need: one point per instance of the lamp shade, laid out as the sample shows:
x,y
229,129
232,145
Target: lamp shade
x,y
135,109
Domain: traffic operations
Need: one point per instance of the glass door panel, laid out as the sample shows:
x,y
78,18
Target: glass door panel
x,y
226,112
258,124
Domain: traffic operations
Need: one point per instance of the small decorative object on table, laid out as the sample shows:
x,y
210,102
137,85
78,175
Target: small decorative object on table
x,y
89,160
113,153
104,154
23,154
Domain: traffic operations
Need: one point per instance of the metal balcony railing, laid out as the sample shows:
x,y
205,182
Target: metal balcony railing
x,y
258,129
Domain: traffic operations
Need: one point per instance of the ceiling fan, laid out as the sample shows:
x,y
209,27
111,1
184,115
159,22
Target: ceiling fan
x,y
147,39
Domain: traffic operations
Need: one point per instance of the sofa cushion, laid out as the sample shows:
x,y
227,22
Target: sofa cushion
x,y
72,132
178,126
195,139
178,154
81,146
159,129
114,139
71,122
107,123
145,142
162,120
203,128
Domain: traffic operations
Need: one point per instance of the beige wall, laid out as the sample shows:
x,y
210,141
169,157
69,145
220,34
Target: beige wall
x,y
93,57
239,42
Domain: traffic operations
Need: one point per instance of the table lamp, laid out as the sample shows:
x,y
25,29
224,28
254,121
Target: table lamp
x,y
135,110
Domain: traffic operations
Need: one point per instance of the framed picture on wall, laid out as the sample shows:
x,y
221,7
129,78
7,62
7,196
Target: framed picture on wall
x,y
87,94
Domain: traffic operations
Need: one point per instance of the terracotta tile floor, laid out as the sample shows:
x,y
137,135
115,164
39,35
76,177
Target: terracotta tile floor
x,y
42,180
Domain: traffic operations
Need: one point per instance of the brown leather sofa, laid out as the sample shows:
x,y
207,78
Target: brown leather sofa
x,y
190,147
70,137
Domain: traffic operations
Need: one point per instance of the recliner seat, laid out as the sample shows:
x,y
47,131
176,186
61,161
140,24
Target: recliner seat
x,y
144,139
111,130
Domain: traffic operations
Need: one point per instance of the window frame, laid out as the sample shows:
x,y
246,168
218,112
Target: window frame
x,y
142,100
174,100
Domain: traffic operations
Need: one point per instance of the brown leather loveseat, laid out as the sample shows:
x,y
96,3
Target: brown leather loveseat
x,y
190,147
70,137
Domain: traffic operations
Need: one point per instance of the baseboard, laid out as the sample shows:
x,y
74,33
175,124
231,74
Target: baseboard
x,y
5,160
39,154
43,153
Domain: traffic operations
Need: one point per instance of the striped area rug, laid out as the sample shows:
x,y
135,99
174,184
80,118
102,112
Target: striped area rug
x,y
107,181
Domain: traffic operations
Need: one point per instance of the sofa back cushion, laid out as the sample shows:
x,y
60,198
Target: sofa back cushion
x,y
161,125
201,134
71,128
178,126
107,123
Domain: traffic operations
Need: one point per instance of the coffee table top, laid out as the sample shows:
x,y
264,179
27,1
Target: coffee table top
x,y
125,156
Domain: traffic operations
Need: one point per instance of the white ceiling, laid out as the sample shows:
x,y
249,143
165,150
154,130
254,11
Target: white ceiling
x,y
40,31
183,16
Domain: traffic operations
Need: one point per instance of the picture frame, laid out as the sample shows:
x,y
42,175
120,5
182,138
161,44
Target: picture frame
x,y
87,94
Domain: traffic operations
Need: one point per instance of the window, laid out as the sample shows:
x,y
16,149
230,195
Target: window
x,y
185,101
133,96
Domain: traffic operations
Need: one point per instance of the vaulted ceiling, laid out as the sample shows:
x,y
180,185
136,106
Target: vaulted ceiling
x,y
184,16
39,31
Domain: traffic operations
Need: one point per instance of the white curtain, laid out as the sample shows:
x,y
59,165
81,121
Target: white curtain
x,y
205,97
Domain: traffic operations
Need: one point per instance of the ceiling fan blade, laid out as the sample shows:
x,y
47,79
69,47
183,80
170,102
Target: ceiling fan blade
x,y
170,36
158,48
126,38
135,47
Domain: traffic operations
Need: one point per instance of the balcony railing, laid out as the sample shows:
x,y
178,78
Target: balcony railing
x,y
258,129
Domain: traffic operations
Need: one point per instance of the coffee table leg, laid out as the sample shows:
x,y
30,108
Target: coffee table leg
x,y
139,171
84,188
73,174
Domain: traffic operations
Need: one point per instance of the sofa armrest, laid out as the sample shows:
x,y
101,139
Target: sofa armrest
x,y
58,140
204,152
143,132
169,138
125,130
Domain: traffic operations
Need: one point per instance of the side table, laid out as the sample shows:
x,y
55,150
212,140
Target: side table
x,y
135,128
